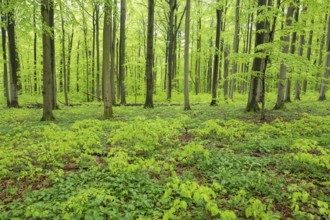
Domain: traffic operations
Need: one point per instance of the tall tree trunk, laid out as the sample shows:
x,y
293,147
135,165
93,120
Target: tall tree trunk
x,y
35,74
69,60
108,112
282,74
47,63
171,38
320,59
324,84
97,33
13,61
4,56
235,47
77,72
292,51
258,62
52,53
186,57
198,55
308,54
86,56
113,55
93,53
300,53
216,60
66,101
150,56
209,65
122,52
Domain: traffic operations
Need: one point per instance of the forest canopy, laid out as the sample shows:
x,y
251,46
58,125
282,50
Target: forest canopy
x,y
164,109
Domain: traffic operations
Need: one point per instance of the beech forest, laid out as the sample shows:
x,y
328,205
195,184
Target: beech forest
x,y
165,109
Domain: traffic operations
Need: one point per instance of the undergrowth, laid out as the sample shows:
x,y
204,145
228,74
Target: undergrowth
x,y
165,163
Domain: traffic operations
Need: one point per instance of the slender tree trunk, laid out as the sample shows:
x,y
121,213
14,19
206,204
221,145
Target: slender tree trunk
x,y
63,58
300,53
113,55
93,53
77,73
171,38
235,47
216,60
4,56
86,56
292,51
52,47
69,60
258,62
47,63
122,52
199,46
108,112
186,57
320,59
283,69
13,61
35,74
150,56
97,33
308,54
325,80
209,66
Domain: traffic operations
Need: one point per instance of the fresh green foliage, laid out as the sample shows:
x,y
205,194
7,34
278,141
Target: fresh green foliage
x,y
164,163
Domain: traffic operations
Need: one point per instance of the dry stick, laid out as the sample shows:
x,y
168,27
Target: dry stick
x,y
99,99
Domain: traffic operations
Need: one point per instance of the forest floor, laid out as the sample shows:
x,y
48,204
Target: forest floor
x,y
166,163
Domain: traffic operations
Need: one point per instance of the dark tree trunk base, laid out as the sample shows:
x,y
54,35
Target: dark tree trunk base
x,y
187,108
322,98
47,118
148,106
278,107
253,107
214,103
14,104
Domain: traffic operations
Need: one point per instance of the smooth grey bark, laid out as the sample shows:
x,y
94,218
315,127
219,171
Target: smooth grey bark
x,y
52,53
216,59
150,56
69,60
282,75
4,57
320,59
198,55
300,53
122,50
108,112
13,60
325,82
47,63
113,55
35,37
235,49
93,54
77,70
170,50
86,56
186,57
97,36
258,62
308,55
292,51
66,100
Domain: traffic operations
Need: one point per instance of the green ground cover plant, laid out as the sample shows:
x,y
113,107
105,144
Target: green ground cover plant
x,y
166,163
